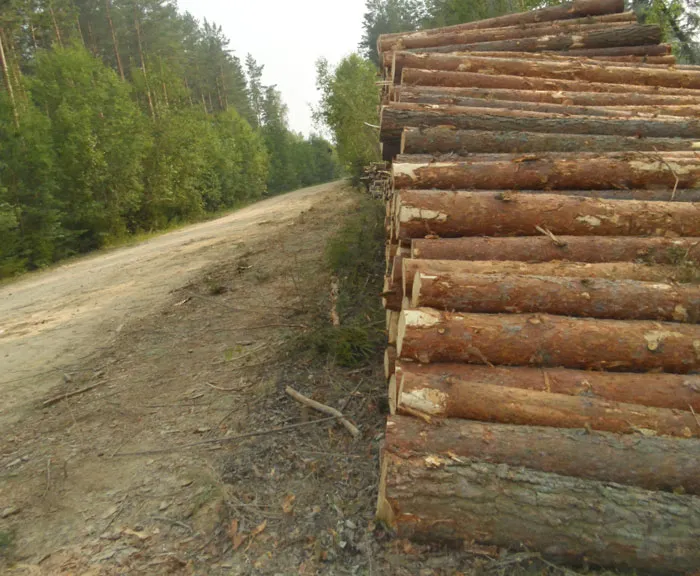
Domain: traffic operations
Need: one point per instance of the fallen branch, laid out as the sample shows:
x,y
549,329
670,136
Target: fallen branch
x,y
173,522
349,426
57,399
239,389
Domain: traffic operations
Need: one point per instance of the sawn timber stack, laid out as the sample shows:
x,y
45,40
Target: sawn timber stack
x,y
542,288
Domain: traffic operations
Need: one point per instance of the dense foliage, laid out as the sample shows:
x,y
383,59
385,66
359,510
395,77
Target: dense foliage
x,y
122,116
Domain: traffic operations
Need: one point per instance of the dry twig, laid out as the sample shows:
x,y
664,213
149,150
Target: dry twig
x,y
349,426
57,399
552,237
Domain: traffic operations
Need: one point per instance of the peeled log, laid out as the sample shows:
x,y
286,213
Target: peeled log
x,y
419,77
434,498
673,391
451,214
565,11
576,249
602,270
429,335
442,140
651,463
537,172
602,73
396,117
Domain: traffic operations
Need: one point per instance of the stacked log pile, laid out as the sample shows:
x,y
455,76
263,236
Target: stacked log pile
x,y
542,288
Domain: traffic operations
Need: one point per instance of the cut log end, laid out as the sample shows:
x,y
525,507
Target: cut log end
x,y
385,512
389,361
392,394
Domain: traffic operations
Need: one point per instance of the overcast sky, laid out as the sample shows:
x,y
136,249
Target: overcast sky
x,y
287,36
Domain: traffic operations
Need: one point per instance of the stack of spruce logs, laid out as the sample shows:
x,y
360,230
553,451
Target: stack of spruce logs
x,y
542,288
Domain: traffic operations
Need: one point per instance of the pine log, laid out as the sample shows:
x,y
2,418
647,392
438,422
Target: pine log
x,y
566,296
648,54
396,117
603,171
588,249
457,398
602,270
444,140
430,335
636,75
391,295
453,214
434,498
673,391
648,50
652,463
419,77
389,361
564,11
393,331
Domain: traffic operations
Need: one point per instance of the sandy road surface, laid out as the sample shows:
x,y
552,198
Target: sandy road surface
x,y
49,320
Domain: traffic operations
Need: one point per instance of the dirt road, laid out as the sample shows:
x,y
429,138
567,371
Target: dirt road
x,y
51,320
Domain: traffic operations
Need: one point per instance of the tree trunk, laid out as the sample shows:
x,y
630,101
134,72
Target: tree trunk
x,y
458,398
389,361
651,463
56,29
441,140
8,85
429,335
647,50
114,40
602,270
552,171
672,391
396,117
392,296
143,64
565,11
649,54
453,214
609,36
452,96
565,296
418,77
426,39
591,249
435,498
637,75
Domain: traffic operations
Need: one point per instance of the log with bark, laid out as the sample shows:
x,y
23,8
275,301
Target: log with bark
x,y
565,11
578,71
440,498
602,270
398,116
429,335
673,391
420,77
393,328
566,296
590,249
445,140
639,54
453,214
651,463
604,171
391,295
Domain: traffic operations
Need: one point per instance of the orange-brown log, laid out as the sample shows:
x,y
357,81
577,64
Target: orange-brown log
x,y
652,463
396,117
457,398
453,214
603,73
445,140
554,171
442,499
649,54
389,361
563,295
673,391
648,50
419,77
588,249
430,335
602,270
392,296
564,11
451,95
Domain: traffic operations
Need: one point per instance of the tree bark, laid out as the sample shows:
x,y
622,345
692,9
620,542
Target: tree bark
x,y
389,361
438,499
396,117
590,249
551,171
651,463
602,270
452,96
429,335
565,11
443,140
422,77
453,214
648,50
392,296
672,391
562,295
648,54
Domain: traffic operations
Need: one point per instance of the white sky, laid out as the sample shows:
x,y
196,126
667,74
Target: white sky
x,y
287,36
